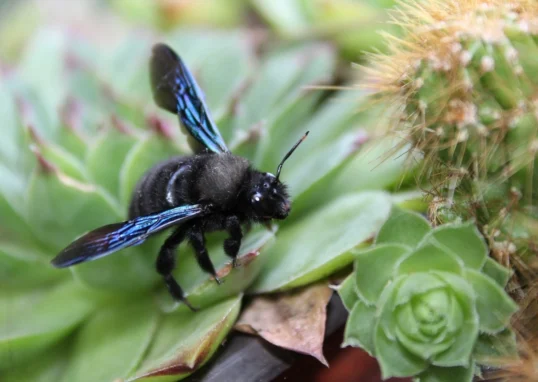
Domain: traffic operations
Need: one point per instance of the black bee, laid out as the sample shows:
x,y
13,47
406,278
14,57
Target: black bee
x,y
210,191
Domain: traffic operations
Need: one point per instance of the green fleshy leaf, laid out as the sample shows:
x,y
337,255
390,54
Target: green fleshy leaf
x,y
24,267
287,17
125,69
455,318
416,284
363,171
493,304
279,82
49,366
184,341
493,350
386,307
375,267
305,174
112,343
44,72
394,359
33,321
464,241
430,257
419,331
106,156
447,374
64,161
316,164
61,208
423,350
359,330
460,352
319,244
11,129
145,154
496,271
286,125
403,227
347,293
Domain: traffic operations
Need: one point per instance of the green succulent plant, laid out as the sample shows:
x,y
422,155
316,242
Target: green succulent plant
x,y
79,128
465,81
354,25
429,303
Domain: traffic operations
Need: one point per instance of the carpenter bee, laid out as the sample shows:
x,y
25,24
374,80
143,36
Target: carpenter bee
x,y
209,191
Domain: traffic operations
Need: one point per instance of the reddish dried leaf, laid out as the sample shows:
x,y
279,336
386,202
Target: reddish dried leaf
x,y
294,321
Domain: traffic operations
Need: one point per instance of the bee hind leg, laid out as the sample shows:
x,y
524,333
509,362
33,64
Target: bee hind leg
x,y
233,243
197,240
166,263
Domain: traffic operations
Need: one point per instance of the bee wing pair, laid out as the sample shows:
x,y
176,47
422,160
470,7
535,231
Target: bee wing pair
x,y
174,89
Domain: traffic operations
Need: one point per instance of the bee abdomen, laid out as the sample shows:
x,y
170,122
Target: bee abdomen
x,y
155,192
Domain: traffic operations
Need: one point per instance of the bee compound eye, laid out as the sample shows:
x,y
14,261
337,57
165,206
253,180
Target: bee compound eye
x,y
266,185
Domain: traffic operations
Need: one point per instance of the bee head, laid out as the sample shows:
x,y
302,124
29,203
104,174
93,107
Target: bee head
x,y
269,198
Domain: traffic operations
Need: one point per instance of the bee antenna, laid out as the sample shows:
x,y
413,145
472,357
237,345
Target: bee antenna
x,y
279,168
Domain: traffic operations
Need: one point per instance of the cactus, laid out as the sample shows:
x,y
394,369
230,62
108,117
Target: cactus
x,y
464,82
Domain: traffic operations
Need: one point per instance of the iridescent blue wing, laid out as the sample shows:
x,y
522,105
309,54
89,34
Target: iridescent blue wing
x,y
113,237
175,89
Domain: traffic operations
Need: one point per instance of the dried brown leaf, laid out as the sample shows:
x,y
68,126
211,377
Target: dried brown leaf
x,y
293,320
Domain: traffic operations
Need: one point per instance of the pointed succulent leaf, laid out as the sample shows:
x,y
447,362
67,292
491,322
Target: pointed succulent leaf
x,y
493,350
447,374
496,271
184,341
60,208
403,227
24,267
319,244
375,267
105,158
393,358
429,257
367,168
302,174
11,129
359,330
48,366
34,320
42,68
346,291
140,158
112,342
459,353
462,240
494,305
279,82
64,161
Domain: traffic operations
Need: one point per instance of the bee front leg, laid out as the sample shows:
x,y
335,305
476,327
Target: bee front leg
x,y
197,240
166,263
233,243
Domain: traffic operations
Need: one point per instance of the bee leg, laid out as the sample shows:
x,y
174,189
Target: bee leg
x,y
233,243
166,262
197,240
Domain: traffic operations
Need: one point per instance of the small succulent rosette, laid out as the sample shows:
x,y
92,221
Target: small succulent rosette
x,y
429,303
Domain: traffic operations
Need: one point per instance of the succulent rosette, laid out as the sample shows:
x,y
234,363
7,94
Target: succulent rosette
x,y
429,303
79,128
